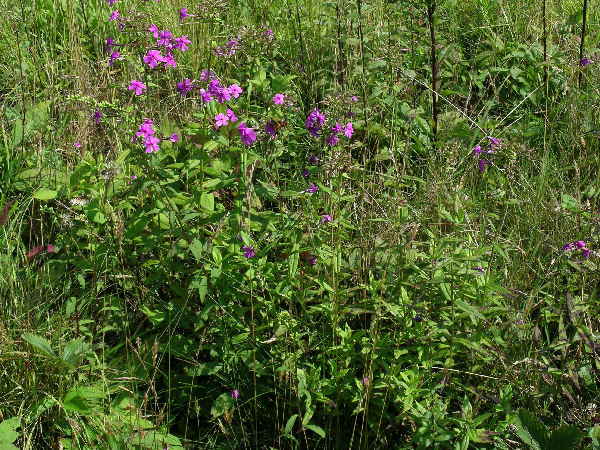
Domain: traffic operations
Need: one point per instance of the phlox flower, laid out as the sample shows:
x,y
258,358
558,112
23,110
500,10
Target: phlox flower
x,y
235,90
206,74
314,121
170,61
174,137
337,128
182,14
77,144
354,99
109,42
164,37
153,57
114,56
278,99
151,144
184,86
585,62
221,120
249,251
482,163
270,129
110,2
145,129
114,16
205,96
247,134
332,140
494,142
97,115
181,43
325,218
137,86
231,115
312,188
154,30
235,393
349,130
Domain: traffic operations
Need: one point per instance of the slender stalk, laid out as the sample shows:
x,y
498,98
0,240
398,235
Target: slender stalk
x,y
582,43
545,44
434,69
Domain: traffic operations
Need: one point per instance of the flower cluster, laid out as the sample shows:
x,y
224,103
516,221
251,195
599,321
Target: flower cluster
x,y
576,246
146,132
314,122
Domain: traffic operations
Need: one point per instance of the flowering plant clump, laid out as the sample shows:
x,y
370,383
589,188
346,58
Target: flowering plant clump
x,y
577,246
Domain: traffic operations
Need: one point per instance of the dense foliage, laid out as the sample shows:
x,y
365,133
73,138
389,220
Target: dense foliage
x,y
349,224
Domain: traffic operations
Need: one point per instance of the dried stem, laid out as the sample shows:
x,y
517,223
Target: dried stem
x,y
434,68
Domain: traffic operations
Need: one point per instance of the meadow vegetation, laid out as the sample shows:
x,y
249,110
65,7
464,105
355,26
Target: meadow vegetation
x,y
326,224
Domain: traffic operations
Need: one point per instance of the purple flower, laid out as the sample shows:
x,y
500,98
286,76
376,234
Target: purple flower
x,y
153,57
154,30
278,99
418,318
249,251
235,393
332,140
494,142
585,62
235,90
239,236
482,163
312,260
184,86
151,144
206,97
224,95
566,247
97,115
349,130
114,16
337,128
145,129
182,43
586,253
231,115
305,173
247,134
206,74
221,120
169,60
77,144
325,218
365,381
114,56
132,178
579,244
477,151
354,99
314,121
313,160
174,137
110,2
137,86
182,14
312,188
270,129
479,269
164,37
109,42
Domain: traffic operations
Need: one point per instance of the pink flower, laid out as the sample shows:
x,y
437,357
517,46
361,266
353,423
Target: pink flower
x,y
170,61
151,144
278,99
325,218
154,30
114,16
77,144
349,130
235,90
235,393
174,138
249,251
231,115
114,56
153,57
247,134
221,120
181,43
164,37
137,86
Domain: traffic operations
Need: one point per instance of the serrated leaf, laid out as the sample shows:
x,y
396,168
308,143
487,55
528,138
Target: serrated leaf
x,y
8,433
40,344
565,438
531,430
74,351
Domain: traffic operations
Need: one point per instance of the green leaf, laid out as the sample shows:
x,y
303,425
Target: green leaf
x,y
74,402
569,202
290,424
207,201
316,429
8,433
44,194
40,344
74,351
565,438
531,430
